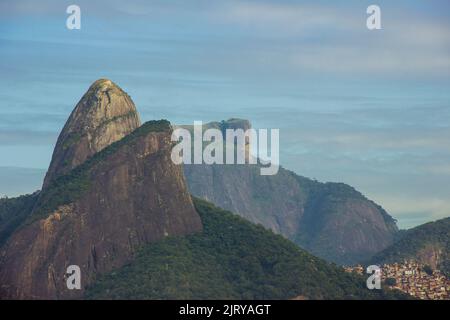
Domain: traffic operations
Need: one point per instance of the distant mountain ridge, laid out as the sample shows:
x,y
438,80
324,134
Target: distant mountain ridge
x,y
105,114
427,244
13,211
331,220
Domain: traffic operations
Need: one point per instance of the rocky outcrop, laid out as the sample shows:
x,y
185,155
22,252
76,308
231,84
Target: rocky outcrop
x,y
105,114
98,214
331,220
343,226
133,196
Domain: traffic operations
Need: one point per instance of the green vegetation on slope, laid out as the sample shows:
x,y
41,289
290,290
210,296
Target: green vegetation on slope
x,y
68,188
231,259
13,211
336,216
335,193
415,242
331,220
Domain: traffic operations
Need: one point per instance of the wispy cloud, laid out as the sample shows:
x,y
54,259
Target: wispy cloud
x,y
325,38
413,211
26,137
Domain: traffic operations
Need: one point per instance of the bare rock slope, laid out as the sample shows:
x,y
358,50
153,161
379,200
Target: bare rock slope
x,y
330,220
105,114
98,214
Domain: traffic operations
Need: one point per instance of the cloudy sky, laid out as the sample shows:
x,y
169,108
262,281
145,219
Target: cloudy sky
x,y
369,108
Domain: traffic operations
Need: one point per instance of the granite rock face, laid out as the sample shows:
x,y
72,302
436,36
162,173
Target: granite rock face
x,y
330,220
98,215
105,114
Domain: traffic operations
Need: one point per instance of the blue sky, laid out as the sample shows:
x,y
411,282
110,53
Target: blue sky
x,y
369,108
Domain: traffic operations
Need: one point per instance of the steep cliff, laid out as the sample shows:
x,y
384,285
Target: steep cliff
x,y
331,220
105,114
99,213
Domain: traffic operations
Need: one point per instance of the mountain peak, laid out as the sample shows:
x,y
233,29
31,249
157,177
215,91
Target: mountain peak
x,y
110,189
104,115
104,85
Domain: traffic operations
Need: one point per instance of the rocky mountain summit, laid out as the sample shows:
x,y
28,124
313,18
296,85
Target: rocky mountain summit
x,y
98,214
105,114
